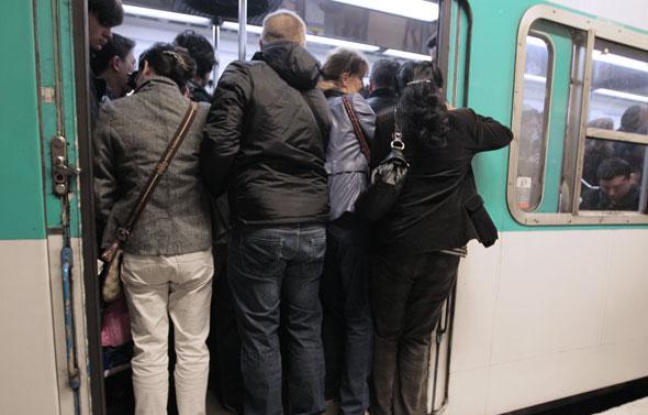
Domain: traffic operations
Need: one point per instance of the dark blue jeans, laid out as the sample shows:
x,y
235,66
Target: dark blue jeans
x,y
407,292
274,270
347,330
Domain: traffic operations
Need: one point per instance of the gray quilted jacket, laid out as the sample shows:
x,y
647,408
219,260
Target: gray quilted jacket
x,y
130,137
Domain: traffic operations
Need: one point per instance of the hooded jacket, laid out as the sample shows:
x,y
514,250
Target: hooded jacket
x,y
265,138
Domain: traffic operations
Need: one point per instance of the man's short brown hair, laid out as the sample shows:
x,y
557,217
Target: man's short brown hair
x,y
283,25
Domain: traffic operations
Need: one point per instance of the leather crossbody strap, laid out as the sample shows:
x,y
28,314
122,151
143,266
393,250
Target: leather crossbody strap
x,y
364,146
145,195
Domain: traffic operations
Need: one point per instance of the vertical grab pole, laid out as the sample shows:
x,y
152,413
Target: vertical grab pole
x,y
242,28
216,44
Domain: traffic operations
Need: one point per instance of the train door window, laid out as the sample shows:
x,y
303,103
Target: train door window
x,y
533,133
551,76
580,119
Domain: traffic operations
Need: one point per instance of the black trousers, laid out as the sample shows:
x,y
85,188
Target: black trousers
x,y
347,331
407,293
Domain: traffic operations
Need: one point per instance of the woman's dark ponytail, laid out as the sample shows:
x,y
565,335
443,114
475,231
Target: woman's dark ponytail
x,y
170,61
424,112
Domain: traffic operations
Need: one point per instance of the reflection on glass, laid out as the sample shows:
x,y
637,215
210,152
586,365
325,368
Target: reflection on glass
x,y
619,185
620,87
532,139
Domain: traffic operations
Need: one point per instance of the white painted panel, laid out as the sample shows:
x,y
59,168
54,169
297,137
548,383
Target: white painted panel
x,y
66,395
627,301
567,317
476,296
521,384
476,381
28,376
589,369
550,293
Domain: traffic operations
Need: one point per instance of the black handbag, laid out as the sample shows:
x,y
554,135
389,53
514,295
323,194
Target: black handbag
x,y
386,181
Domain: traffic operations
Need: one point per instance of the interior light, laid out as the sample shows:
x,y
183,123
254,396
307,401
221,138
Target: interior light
x,y
622,95
536,41
235,27
407,55
164,15
535,78
619,60
329,41
413,9
322,40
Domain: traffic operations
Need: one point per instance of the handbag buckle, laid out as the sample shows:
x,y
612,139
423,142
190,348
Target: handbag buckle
x,y
397,143
123,234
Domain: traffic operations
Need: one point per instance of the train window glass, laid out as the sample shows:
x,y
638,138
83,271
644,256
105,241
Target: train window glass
x,y
533,132
614,159
614,176
581,123
619,91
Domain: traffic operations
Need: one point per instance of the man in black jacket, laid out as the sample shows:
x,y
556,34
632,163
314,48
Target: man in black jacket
x,y
264,144
103,15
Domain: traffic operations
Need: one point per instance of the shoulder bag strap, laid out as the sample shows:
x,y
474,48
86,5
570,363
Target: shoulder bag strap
x,y
364,147
145,195
397,135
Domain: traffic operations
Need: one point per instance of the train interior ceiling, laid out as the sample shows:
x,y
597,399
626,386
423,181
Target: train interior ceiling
x,y
330,23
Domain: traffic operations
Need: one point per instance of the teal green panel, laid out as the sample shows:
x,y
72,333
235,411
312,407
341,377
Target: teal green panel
x,y
50,127
557,122
68,111
492,64
58,117
22,211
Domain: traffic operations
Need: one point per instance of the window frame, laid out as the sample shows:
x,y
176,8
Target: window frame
x,y
548,99
595,29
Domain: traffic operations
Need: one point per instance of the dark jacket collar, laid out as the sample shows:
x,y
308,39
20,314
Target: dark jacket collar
x,y
293,63
198,93
330,93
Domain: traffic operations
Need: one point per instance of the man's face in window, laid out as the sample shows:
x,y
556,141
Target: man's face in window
x,y
616,188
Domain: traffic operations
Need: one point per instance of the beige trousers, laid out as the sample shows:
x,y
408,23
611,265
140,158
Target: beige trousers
x,y
159,287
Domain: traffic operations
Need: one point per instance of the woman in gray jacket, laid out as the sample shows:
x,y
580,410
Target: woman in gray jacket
x,y
168,267
347,328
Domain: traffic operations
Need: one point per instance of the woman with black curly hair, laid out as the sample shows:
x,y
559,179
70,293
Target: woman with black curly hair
x,y
417,246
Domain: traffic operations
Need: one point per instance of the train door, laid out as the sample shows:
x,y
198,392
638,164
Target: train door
x,y
452,54
42,319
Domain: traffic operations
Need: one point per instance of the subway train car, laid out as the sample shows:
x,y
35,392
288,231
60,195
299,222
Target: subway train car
x,y
551,314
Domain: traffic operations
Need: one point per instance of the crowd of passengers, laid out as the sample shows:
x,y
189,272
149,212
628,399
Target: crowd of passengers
x,y
262,193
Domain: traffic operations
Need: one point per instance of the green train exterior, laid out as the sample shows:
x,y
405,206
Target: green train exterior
x,y
553,310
